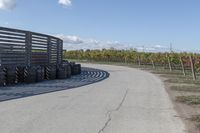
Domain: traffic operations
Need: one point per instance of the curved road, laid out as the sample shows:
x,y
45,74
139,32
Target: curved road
x,y
129,101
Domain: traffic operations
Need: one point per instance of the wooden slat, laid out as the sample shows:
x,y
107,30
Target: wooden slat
x,y
14,41
39,47
11,63
39,43
11,34
12,30
39,37
11,45
10,37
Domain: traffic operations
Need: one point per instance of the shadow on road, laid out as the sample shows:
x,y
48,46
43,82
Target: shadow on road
x,y
88,76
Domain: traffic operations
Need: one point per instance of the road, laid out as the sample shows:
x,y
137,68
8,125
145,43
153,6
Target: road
x,y
129,101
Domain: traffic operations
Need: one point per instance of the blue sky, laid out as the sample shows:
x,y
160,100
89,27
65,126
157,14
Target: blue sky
x,y
106,23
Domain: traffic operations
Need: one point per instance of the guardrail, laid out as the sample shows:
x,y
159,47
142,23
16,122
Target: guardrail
x,y
25,48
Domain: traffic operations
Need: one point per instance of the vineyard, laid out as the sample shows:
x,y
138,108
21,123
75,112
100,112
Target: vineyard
x,y
186,62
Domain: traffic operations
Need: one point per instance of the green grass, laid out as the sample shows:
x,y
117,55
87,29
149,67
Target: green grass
x,y
190,100
183,81
165,71
176,76
186,88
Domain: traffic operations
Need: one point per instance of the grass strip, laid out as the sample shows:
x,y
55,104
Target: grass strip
x,y
186,88
190,100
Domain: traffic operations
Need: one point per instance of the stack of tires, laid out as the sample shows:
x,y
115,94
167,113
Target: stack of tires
x,y
11,75
61,72
75,68
30,75
50,72
2,77
64,71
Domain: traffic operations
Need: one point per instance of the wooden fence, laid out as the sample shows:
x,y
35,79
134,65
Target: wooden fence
x,y
25,48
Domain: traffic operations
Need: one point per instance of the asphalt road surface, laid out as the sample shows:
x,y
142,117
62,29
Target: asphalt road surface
x,y
129,101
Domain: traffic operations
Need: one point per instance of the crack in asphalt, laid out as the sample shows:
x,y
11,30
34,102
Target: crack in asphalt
x,y
111,111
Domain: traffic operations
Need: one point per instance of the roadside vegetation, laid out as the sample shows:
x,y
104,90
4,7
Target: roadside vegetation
x,y
191,100
186,88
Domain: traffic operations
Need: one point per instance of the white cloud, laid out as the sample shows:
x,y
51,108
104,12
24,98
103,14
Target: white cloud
x,y
152,48
75,43
65,2
7,4
71,39
158,46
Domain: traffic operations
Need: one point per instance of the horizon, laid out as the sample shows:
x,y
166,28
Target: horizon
x,y
143,24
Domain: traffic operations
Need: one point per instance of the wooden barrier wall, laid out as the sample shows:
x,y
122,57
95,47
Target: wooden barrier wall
x,y
25,48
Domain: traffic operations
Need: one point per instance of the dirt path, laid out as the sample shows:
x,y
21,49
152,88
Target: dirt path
x,y
130,101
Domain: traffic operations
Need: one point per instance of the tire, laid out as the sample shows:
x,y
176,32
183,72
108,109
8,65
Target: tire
x,y
50,72
62,73
30,75
10,75
19,74
69,71
2,77
40,71
76,69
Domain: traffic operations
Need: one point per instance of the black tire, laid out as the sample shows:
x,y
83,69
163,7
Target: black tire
x,y
50,72
76,69
40,72
10,75
69,71
61,72
2,77
19,74
30,75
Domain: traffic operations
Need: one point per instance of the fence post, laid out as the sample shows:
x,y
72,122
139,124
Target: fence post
x,y
169,62
153,64
182,65
49,49
28,43
59,52
193,68
139,62
125,59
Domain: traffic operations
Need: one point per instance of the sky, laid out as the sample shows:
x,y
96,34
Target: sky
x,y
121,24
